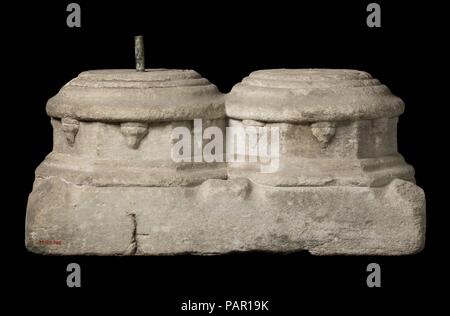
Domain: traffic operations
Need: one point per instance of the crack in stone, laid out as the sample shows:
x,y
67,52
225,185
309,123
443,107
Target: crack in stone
x,y
133,247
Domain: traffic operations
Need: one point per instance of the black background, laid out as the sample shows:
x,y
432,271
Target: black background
x,y
224,42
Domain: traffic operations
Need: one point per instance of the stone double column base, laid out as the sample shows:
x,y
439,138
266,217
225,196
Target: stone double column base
x,y
114,183
222,216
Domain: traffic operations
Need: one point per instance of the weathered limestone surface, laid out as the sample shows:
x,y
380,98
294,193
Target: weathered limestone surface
x,y
155,95
311,95
110,187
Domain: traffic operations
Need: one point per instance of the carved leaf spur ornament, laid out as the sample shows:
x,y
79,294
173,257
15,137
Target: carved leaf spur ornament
x,y
70,128
323,131
134,133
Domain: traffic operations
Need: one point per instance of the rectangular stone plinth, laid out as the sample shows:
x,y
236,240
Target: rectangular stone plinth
x,y
221,216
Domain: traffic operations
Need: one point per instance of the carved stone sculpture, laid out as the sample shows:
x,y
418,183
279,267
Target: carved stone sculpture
x,y
111,185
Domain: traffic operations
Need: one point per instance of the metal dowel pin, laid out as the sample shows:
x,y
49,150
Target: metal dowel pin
x,y
139,53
